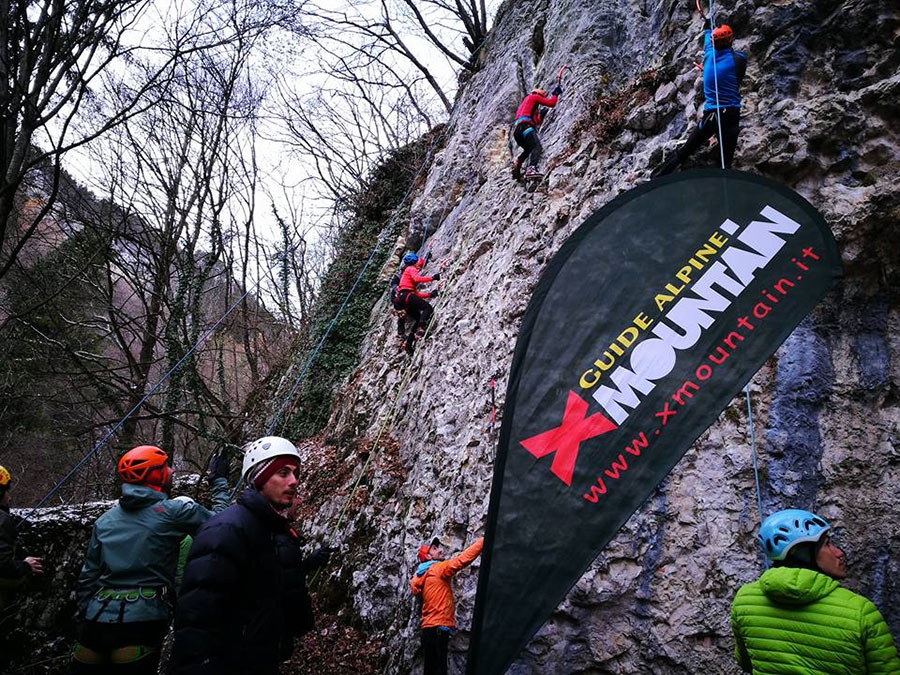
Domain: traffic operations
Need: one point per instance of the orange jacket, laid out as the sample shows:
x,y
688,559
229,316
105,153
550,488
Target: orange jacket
x,y
433,584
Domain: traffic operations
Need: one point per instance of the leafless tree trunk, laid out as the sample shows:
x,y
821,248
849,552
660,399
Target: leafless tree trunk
x,y
133,287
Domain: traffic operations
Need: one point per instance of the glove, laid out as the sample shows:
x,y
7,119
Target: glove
x,y
433,294
318,558
557,90
219,466
436,276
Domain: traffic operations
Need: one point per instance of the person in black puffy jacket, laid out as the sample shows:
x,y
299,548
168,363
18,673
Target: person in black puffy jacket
x,y
296,565
230,615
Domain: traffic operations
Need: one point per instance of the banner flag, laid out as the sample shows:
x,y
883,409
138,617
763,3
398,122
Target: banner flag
x,y
644,326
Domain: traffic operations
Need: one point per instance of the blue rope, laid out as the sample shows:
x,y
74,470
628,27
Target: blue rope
x,y
753,451
712,27
759,508
109,434
276,418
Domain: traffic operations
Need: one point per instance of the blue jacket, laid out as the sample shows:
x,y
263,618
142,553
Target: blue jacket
x,y
230,614
129,569
723,69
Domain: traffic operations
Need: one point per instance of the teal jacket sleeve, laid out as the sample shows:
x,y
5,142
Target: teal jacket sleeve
x,y
219,494
89,580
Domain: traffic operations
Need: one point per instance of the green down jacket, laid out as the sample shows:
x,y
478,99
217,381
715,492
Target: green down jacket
x,y
797,621
128,572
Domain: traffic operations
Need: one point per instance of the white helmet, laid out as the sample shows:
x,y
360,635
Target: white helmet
x,y
266,448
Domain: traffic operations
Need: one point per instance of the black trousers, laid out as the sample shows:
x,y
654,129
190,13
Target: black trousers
x,y
419,310
705,129
434,650
530,143
107,645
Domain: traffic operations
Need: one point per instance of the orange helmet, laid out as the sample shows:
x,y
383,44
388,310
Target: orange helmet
x,y
145,465
539,92
5,478
723,36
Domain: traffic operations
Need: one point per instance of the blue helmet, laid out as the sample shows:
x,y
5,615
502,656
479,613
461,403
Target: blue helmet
x,y
410,259
784,529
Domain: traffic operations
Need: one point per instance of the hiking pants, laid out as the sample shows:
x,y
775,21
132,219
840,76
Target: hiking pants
x,y
118,648
435,642
526,136
706,128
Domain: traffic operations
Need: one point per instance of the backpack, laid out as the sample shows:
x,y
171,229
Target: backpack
x,y
395,282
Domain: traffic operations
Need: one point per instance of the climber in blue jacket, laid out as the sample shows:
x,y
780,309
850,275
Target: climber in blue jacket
x,y
723,71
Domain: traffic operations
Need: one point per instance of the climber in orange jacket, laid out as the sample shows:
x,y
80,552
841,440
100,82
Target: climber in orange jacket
x,y
432,581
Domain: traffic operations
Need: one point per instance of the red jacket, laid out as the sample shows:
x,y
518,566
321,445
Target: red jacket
x,y
530,108
410,278
432,581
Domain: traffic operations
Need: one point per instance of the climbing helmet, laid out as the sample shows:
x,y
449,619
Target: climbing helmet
x,y
781,531
410,259
723,36
5,478
145,465
266,448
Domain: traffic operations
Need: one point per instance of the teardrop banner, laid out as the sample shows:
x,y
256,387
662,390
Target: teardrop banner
x,y
645,325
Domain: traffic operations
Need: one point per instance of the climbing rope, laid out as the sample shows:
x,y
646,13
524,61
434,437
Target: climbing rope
x,y
711,18
276,418
753,452
401,388
712,26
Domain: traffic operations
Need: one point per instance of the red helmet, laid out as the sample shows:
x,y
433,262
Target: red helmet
x,y
723,36
539,92
145,465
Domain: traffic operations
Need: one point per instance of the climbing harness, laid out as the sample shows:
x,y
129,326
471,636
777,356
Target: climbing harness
x,y
125,596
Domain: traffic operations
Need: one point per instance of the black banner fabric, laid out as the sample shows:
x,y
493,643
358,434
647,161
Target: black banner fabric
x,y
650,319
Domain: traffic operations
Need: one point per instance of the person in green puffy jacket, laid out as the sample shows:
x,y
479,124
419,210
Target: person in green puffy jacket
x,y
797,618
125,589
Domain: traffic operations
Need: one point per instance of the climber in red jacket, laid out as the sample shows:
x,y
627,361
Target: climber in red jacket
x,y
528,121
413,301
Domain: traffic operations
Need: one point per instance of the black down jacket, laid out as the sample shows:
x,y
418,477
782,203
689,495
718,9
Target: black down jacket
x,y
230,614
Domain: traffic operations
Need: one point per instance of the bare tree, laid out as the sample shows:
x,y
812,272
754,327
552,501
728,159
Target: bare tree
x,y
122,299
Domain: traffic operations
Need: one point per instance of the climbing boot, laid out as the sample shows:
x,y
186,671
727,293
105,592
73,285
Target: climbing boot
x,y
531,173
420,332
517,169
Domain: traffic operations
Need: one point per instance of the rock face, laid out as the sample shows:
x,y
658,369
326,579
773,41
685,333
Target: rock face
x,y
821,113
409,453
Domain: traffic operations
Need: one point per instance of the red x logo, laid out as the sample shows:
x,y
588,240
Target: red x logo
x,y
565,439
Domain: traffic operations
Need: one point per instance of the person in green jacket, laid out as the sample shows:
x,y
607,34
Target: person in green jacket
x,y
126,585
797,618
